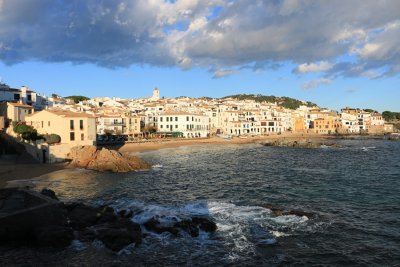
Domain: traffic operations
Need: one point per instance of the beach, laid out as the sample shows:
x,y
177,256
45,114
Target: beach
x,y
21,167
172,143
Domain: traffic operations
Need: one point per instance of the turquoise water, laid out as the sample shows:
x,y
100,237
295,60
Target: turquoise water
x,y
352,193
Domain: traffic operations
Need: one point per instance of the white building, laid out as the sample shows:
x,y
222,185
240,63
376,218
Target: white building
x,y
189,124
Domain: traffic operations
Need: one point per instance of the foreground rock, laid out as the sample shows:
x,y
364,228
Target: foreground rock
x,y
89,157
30,218
191,225
278,211
301,143
41,220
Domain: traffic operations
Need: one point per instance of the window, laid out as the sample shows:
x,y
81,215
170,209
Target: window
x,y
176,118
161,126
71,124
16,96
82,137
167,118
176,126
29,97
48,123
42,124
81,125
160,119
192,118
187,118
72,136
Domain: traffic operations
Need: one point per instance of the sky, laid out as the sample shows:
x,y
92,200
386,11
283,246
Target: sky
x,y
343,53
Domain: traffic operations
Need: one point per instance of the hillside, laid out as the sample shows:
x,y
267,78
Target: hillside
x,y
286,102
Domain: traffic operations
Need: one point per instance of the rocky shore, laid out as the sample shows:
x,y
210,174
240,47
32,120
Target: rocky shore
x,y
28,218
92,158
300,143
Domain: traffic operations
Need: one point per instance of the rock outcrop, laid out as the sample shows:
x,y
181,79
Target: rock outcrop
x,y
39,220
301,143
89,157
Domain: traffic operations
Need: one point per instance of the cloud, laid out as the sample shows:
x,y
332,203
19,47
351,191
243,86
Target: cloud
x,y
314,67
315,83
220,73
316,36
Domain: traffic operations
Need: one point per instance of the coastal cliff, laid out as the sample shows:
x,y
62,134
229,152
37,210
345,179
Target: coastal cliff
x,y
90,157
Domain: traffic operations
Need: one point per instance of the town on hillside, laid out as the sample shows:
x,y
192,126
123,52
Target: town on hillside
x,y
73,121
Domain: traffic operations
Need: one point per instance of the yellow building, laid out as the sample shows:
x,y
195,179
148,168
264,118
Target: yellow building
x,y
73,128
15,111
131,124
326,125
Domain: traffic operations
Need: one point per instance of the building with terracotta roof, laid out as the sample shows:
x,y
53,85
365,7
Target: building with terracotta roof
x,y
74,128
15,112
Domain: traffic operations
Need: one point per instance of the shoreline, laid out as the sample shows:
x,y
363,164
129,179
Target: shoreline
x,y
19,168
174,143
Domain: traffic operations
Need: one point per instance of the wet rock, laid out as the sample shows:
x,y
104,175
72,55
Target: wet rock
x,y
49,193
90,157
82,216
125,213
85,235
106,214
119,234
299,213
300,143
54,236
154,225
205,224
189,226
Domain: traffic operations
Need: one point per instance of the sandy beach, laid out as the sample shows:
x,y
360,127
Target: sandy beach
x,y
171,143
23,167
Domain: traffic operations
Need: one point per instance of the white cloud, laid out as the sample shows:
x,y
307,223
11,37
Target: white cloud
x,y
316,83
310,34
314,67
220,73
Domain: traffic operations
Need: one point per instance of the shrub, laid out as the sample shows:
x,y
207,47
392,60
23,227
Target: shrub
x,y
27,132
52,139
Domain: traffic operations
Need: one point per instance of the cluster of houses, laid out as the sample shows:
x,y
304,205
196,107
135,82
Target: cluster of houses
x,y
89,121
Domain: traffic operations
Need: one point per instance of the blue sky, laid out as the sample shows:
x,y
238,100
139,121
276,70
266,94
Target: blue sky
x,y
335,55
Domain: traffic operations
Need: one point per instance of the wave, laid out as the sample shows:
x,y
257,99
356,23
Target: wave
x,y
240,229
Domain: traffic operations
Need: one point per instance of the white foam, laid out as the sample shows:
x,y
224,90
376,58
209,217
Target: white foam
x,y
78,245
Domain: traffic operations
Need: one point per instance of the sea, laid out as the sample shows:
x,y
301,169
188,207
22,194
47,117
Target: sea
x,y
347,203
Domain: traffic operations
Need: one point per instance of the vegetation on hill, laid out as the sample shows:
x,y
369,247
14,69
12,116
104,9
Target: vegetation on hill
x,y
77,98
388,115
286,102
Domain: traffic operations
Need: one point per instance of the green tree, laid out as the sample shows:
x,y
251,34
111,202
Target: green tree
x,y
77,98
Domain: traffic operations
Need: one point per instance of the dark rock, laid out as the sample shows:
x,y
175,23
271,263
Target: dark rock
x,y
53,236
277,211
49,193
125,213
205,224
23,213
118,235
107,215
188,226
82,216
299,213
86,235
154,225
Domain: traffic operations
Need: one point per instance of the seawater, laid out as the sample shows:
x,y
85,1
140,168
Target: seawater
x,y
353,193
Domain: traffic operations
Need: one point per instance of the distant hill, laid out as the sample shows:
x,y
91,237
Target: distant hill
x,y
286,102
